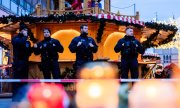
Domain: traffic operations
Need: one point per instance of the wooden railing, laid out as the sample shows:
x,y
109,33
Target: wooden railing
x,y
118,14
85,10
88,11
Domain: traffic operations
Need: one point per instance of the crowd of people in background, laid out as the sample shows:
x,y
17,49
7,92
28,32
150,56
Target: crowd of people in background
x,y
78,4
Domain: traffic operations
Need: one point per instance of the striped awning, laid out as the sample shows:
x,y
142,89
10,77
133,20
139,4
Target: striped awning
x,y
119,18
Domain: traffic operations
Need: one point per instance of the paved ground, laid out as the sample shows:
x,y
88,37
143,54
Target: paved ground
x,y
6,103
5,100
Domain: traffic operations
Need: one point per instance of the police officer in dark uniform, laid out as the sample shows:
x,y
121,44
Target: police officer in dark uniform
x,y
129,48
49,49
21,52
84,47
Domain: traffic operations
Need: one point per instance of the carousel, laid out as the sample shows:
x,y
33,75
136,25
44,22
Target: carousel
x,y
105,27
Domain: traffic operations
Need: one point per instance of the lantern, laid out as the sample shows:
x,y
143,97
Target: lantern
x,y
153,94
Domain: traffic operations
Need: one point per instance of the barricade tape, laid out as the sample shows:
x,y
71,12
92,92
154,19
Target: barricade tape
x,y
75,80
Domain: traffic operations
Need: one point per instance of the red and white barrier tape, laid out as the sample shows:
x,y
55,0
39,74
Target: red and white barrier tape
x,y
75,80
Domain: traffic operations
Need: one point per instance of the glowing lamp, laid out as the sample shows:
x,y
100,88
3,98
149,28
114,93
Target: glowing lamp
x,y
176,75
97,94
152,94
47,96
99,70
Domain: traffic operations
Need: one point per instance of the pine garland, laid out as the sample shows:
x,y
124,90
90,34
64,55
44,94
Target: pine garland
x,y
3,45
89,18
148,43
100,30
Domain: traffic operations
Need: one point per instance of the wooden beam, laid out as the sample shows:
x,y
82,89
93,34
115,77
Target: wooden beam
x,y
96,8
137,15
61,6
107,6
85,6
48,5
38,10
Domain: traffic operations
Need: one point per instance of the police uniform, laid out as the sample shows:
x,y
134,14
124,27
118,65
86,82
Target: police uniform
x,y
21,52
84,53
129,48
49,48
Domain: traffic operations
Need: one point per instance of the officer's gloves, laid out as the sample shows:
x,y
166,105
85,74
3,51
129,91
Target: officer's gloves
x,y
91,45
136,45
79,43
54,45
35,46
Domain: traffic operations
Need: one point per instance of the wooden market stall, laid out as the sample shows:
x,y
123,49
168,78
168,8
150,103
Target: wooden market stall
x,y
104,26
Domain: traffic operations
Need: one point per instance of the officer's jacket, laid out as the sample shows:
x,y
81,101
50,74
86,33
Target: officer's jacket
x,y
47,50
83,52
129,47
21,48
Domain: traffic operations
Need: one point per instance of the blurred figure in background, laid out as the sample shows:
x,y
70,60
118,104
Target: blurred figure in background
x,y
21,52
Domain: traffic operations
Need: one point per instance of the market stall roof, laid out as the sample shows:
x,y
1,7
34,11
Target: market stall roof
x,y
152,33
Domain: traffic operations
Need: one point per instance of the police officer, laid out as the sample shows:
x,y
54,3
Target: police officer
x,y
49,49
84,47
129,48
21,52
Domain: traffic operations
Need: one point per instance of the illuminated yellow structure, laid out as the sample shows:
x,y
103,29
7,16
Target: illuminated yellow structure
x,y
65,31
